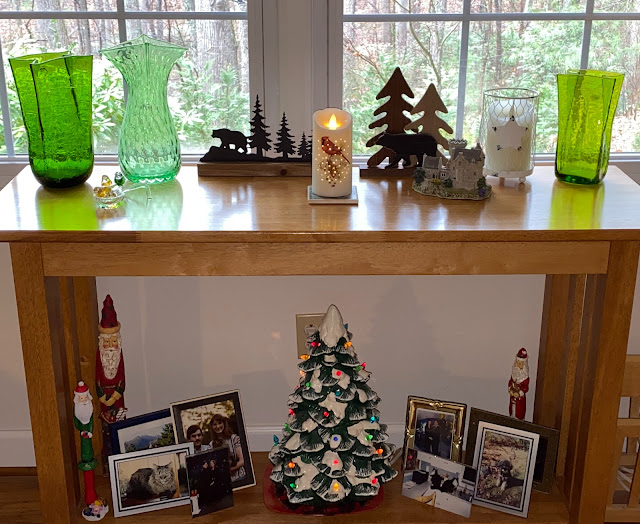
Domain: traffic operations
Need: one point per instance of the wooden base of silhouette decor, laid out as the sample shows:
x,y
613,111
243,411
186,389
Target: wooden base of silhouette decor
x,y
234,156
254,168
404,142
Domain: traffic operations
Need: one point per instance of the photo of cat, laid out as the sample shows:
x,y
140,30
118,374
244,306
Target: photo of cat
x,y
150,479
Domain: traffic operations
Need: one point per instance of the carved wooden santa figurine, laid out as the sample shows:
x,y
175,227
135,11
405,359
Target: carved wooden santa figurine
x,y
519,385
96,508
110,381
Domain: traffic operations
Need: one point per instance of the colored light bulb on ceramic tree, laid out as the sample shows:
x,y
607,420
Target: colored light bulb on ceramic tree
x,y
334,435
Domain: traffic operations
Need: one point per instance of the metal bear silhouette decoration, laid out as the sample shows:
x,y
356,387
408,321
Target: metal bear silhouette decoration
x,y
236,147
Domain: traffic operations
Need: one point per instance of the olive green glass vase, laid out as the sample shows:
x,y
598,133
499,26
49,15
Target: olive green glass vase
x,y
587,102
148,146
54,90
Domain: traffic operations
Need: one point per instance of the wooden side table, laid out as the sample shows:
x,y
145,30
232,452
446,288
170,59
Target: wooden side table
x,y
585,239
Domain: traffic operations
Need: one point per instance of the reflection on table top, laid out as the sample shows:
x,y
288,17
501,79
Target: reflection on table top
x,y
260,209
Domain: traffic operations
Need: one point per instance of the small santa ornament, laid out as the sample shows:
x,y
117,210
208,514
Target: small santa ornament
x,y
519,385
110,382
96,508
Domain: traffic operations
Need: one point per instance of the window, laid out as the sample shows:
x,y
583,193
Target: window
x,y
467,46
208,88
297,54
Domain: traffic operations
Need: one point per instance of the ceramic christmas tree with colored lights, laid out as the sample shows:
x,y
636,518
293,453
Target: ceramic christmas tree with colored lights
x,y
334,449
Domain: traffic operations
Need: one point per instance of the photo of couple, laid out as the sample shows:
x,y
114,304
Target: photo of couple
x,y
222,435
215,422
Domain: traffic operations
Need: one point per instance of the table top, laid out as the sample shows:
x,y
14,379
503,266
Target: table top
x,y
269,209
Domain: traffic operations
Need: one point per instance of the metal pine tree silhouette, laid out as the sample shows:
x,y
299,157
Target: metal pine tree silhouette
x,y
284,144
304,148
259,138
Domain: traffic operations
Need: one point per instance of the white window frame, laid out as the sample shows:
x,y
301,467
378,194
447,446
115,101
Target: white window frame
x,y
317,26
466,17
254,16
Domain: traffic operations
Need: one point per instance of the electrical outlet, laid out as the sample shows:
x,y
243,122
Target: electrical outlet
x,y
303,322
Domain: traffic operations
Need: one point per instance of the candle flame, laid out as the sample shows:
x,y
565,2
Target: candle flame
x,y
333,122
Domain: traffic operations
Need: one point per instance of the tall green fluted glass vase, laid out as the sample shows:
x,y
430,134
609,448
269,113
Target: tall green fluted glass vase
x,y
587,102
148,147
54,90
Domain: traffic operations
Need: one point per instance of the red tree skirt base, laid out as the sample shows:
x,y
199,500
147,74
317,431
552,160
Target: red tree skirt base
x,y
280,504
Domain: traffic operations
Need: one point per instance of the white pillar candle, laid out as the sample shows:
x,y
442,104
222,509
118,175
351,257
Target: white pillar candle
x,y
508,160
331,152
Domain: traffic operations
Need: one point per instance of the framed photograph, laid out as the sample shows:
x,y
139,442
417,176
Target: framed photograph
x,y
212,422
152,430
435,427
148,480
505,459
439,482
209,481
545,465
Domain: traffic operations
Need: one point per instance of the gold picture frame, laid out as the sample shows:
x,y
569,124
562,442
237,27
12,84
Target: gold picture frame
x,y
421,412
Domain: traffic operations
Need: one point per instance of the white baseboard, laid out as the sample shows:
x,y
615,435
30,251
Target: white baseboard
x,y
16,446
16,449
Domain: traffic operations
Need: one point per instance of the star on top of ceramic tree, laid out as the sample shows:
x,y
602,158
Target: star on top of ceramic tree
x,y
332,327
510,134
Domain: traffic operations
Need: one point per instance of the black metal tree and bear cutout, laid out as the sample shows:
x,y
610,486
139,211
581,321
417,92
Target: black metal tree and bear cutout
x,y
403,142
234,157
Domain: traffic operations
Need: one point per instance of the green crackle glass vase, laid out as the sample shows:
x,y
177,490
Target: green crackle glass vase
x,y
587,102
148,147
54,90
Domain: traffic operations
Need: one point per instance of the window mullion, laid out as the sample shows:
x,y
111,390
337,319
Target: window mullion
x,y
335,52
320,43
122,21
256,52
4,105
271,56
586,35
462,68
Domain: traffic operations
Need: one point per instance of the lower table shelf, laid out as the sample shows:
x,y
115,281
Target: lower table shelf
x,y
249,508
19,502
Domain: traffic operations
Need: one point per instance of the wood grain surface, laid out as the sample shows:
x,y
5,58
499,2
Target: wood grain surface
x,y
602,384
266,209
18,503
360,258
47,383
254,169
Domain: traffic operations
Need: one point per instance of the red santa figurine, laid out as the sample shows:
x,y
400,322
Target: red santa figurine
x,y
519,385
110,381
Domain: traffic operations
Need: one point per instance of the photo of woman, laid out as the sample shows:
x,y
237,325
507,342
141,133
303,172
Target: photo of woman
x,y
223,435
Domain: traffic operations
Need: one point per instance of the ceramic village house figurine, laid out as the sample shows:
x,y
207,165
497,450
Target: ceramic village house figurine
x,y
460,178
519,385
96,507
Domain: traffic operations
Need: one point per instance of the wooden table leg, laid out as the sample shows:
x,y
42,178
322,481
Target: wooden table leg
x,y
85,322
600,370
557,360
48,387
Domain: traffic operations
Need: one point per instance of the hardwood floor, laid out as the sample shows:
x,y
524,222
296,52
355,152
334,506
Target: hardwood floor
x,y
19,504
